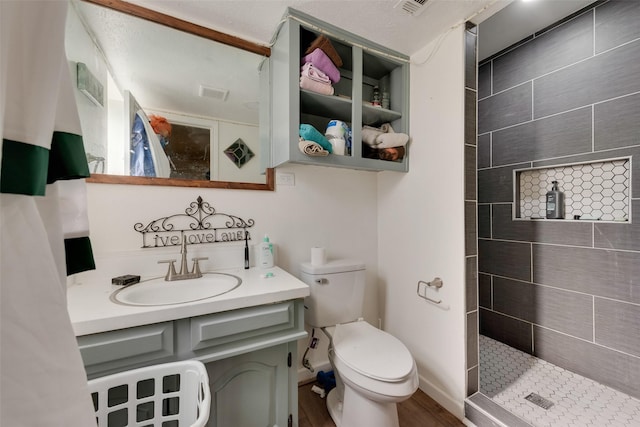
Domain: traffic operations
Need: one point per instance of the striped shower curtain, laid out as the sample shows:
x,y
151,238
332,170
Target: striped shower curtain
x,y
43,221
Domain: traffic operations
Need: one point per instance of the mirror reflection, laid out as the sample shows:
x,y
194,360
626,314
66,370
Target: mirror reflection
x,y
157,102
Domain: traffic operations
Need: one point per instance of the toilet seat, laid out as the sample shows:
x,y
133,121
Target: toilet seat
x,y
372,352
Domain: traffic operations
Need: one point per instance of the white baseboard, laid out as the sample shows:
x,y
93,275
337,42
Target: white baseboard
x,y
304,375
443,398
437,394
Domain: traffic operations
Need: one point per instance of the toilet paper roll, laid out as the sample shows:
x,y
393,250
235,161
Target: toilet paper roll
x,y
318,256
338,145
336,128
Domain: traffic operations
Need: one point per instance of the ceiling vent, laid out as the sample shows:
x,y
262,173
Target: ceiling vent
x,y
212,92
412,7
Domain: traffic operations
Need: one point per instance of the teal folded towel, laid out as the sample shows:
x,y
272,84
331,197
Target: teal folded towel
x,y
310,133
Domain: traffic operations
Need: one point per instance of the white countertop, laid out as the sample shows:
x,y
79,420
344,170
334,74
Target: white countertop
x,y
91,311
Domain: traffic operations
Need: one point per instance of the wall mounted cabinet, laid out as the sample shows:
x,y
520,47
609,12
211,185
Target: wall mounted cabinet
x,y
365,65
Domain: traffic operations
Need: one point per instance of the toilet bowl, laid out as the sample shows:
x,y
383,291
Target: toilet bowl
x,y
374,371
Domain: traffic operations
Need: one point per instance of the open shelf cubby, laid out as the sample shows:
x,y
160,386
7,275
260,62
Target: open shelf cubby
x,y
593,191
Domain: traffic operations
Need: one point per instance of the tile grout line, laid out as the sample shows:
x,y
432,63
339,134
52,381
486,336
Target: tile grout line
x,y
557,288
564,334
531,260
564,245
490,149
556,70
593,322
593,128
552,159
491,221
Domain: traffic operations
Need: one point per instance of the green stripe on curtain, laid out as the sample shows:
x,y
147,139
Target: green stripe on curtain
x,y
79,255
67,159
24,168
27,168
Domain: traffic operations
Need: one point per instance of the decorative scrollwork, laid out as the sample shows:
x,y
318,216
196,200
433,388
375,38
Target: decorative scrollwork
x,y
200,223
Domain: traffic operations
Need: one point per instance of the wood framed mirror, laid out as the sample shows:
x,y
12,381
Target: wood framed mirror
x,y
212,62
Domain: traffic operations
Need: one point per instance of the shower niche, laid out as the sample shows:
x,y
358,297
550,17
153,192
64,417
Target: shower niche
x,y
593,191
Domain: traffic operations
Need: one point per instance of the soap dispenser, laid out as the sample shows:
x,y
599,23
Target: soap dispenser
x,y
555,202
266,253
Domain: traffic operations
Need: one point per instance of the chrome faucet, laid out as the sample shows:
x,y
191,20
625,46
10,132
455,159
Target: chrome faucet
x,y
184,268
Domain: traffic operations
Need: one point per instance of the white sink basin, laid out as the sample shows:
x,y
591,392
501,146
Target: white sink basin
x,y
160,292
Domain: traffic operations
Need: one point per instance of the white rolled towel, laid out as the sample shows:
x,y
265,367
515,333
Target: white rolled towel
x,y
384,137
311,148
386,128
369,135
391,140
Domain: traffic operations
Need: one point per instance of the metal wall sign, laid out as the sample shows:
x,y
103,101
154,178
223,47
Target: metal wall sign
x,y
199,224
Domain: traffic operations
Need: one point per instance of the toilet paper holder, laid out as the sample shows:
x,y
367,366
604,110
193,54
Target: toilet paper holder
x,y
435,283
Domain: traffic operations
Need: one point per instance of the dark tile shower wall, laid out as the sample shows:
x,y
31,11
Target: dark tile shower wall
x,y
567,292
471,206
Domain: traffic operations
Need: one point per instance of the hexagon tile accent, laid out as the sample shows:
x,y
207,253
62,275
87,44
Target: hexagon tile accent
x,y
595,191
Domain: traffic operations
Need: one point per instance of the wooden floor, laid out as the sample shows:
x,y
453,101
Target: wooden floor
x,y
418,411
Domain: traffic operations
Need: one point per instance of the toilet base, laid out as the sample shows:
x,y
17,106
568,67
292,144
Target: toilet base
x,y
357,410
334,405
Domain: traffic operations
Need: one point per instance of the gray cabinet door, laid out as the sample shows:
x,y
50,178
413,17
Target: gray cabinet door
x,y
250,390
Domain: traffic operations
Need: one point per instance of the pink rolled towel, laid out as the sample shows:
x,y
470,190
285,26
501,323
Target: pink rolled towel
x,y
309,70
315,86
322,62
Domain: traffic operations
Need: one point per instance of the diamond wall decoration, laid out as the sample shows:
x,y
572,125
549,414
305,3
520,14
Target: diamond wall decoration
x,y
239,153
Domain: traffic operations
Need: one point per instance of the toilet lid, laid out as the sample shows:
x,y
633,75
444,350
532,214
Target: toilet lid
x,y
372,352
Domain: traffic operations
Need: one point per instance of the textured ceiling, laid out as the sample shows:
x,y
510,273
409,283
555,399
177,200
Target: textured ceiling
x,y
381,21
376,20
170,79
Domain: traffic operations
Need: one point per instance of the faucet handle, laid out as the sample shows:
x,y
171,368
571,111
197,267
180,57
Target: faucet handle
x,y
172,268
196,265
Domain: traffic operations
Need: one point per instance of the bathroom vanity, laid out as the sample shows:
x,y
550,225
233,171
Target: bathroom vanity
x,y
247,338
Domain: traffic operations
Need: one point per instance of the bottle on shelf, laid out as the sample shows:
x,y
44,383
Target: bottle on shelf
x,y
375,101
555,202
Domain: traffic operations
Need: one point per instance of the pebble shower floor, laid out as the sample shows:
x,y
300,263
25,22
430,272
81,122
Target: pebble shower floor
x,y
508,375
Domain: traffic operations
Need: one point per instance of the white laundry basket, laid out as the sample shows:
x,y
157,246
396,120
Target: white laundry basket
x,y
167,395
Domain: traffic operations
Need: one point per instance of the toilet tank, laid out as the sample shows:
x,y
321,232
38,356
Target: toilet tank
x,y
336,292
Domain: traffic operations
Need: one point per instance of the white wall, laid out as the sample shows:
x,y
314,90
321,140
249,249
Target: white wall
x,y
80,48
333,208
421,226
405,227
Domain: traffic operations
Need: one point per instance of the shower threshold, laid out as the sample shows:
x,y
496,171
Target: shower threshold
x,y
542,394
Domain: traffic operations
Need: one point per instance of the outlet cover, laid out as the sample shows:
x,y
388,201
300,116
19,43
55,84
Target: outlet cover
x,y
285,178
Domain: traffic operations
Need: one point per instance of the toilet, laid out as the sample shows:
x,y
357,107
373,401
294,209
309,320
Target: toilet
x,y
374,370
